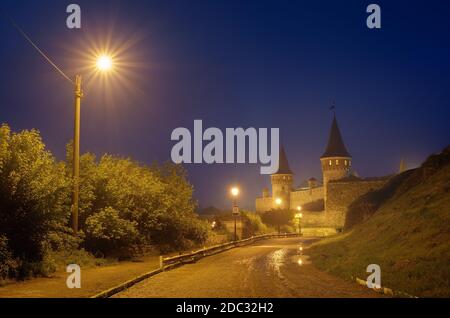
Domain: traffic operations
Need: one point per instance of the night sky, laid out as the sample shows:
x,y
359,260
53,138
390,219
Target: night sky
x,y
236,64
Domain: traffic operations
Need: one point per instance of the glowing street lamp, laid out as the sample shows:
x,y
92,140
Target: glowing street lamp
x,y
234,193
104,63
278,202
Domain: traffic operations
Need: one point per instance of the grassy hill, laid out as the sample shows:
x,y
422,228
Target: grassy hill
x,y
404,227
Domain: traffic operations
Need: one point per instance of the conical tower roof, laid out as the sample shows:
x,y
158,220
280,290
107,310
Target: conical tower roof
x,y
283,164
335,147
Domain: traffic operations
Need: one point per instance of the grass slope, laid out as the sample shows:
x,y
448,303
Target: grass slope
x,y
408,234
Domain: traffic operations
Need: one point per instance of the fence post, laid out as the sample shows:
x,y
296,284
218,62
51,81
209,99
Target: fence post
x,y
161,264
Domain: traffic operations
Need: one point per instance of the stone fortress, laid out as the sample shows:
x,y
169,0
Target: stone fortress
x,y
323,204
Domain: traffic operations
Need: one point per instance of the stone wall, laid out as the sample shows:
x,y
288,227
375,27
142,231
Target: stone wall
x,y
341,193
313,219
319,231
300,197
263,204
297,198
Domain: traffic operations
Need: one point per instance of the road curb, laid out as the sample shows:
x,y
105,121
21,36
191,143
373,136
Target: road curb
x,y
112,291
384,290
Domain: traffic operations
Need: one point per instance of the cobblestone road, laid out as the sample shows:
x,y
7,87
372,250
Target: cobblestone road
x,y
271,268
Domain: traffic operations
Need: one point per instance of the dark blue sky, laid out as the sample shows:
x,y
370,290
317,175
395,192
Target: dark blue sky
x,y
237,63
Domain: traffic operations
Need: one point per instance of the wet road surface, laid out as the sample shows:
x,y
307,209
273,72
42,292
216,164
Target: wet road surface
x,y
270,268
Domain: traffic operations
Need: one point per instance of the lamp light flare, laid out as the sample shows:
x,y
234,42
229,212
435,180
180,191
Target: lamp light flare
x,y
278,201
104,63
234,191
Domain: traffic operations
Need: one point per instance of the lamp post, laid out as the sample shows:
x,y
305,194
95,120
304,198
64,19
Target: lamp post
x,y
104,63
278,202
76,154
234,193
299,216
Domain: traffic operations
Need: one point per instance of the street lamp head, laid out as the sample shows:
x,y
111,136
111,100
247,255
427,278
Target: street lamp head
x,y
234,191
299,208
104,63
278,201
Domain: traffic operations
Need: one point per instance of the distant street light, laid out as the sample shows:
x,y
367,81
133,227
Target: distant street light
x,y
234,193
104,63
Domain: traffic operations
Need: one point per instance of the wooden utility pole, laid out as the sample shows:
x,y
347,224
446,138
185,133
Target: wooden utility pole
x,y
76,154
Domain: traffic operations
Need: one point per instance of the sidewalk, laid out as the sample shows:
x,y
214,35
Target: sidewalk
x,y
93,281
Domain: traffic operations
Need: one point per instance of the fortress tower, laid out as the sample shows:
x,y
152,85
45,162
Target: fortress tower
x,y
336,161
282,181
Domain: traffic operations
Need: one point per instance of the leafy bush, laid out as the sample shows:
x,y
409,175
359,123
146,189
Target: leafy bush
x,y
61,238
275,218
8,265
109,234
33,195
252,224
180,233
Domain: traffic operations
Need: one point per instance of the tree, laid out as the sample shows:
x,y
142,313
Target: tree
x,y
33,193
252,224
108,233
277,217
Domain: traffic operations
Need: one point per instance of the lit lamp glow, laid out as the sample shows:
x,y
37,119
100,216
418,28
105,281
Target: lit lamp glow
x,y
278,201
235,191
104,63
